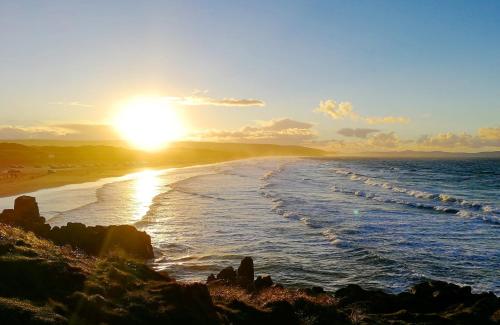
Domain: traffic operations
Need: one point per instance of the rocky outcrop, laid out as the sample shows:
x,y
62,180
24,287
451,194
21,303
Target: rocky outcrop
x,y
246,273
243,277
43,283
433,301
25,215
262,282
100,240
430,302
227,274
95,240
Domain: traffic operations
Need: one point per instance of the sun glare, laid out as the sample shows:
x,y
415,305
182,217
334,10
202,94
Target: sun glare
x,y
149,123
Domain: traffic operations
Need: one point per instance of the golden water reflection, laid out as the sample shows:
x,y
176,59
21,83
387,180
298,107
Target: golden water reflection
x,y
146,186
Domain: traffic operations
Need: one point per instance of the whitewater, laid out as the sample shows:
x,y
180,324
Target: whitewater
x,y
378,223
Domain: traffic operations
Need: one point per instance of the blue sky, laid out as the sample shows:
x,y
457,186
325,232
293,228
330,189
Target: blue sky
x,y
436,63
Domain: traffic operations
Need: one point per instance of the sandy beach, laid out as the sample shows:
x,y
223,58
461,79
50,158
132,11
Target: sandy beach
x,y
27,168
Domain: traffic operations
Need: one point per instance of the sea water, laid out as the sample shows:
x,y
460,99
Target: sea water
x,y
379,223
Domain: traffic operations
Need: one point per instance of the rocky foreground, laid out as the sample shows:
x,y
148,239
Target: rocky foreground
x,y
45,283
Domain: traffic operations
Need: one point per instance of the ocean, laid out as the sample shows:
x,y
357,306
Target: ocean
x,y
379,223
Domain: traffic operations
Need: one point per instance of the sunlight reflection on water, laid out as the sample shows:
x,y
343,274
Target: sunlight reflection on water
x,y
146,186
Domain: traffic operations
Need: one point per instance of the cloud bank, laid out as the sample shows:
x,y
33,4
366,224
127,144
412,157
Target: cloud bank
x,y
279,131
364,140
485,137
76,132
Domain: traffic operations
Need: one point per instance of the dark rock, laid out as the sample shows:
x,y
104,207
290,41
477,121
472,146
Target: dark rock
x,y
25,215
227,274
314,291
26,207
375,301
101,240
246,273
319,313
97,240
6,248
282,312
262,282
318,290
437,295
211,278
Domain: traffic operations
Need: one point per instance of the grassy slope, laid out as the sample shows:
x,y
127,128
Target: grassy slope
x,y
45,284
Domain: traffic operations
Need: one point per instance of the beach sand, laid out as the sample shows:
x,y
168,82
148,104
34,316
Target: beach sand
x,y
33,179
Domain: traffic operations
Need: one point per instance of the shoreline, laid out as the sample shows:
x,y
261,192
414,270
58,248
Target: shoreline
x,y
76,176
25,169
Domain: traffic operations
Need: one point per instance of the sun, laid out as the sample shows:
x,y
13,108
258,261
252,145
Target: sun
x,y
148,123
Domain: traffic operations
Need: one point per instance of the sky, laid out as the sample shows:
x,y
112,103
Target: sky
x,y
340,75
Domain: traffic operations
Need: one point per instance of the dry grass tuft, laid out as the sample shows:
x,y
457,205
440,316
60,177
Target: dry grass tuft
x,y
225,294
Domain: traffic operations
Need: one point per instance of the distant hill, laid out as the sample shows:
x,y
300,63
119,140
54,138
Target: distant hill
x,y
176,154
428,154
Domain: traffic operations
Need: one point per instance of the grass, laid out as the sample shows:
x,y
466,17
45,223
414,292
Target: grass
x,y
42,283
46,284
225,294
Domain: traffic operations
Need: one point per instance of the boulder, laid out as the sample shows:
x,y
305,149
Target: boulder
x,y
314,291
262,282
211,278
375,301
25,215
246,272
101,240
97,240
436,295
26,207
227,274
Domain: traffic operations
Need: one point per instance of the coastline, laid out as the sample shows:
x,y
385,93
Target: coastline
x,y
76,274
44,283
25,169
75,176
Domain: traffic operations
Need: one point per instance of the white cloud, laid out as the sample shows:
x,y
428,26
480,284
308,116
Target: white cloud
x,y
344,110
336,111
